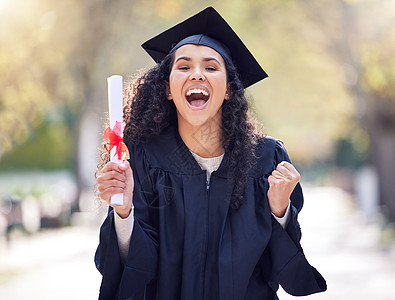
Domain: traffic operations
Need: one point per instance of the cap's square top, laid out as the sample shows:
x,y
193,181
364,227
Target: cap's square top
x,y
210,29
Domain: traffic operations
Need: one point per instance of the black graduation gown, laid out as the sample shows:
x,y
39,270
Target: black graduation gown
x,y
187,243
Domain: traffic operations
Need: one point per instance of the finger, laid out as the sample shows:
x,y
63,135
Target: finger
x,y
273,180
111,166
107,193
111,183
283,170
110,175
288,170
129,182
128,171
287,174
287,165
124,166
276,174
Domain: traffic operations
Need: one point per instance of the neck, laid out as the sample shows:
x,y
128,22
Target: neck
x,y
204,140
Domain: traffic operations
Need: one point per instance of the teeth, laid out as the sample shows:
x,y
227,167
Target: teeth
x,y
197,91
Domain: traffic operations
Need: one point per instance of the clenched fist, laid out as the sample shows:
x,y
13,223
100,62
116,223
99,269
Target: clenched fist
x,y
282,182
117,179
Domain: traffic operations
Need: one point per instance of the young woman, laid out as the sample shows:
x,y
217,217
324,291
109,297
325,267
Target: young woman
x,y
210,203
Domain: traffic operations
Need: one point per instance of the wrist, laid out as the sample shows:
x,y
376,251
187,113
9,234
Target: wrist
x,y
279,213
280,210
123,213
282,214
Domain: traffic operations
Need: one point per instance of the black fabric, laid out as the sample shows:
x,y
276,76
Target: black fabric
x,y
209,23
187,243
201,39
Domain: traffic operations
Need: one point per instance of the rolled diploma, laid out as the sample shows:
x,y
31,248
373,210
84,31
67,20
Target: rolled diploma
x,y
115,105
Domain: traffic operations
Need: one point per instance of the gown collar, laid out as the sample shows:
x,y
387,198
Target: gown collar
x,y
169,152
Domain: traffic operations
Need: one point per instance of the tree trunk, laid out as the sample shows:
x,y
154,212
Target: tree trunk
x,y
381,128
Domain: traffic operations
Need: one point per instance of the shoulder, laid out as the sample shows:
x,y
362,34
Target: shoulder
x,y
269,153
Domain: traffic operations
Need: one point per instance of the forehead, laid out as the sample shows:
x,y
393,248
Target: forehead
x,y
198,51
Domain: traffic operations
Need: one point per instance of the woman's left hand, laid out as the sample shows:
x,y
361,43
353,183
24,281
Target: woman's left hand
x,y
281,184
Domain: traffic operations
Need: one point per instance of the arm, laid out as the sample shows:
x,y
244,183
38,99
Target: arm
x,y
130,277
281,185
284,219
124,228
290,267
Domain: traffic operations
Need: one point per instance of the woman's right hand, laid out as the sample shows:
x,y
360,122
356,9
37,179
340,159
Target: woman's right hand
x,y
117,179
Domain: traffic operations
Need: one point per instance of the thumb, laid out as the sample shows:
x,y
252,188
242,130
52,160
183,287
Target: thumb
x,y
125,166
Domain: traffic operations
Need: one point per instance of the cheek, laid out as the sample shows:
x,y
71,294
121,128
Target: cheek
x,y
174,83
221,85
175,87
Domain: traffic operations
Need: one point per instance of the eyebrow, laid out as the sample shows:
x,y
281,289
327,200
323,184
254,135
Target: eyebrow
x,y
204,59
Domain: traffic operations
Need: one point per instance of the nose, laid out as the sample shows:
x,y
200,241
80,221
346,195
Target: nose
x,y
197,75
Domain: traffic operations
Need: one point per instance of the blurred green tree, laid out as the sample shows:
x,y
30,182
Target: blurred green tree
x,y
303,101
361,38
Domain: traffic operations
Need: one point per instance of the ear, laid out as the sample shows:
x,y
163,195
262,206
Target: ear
x,y
227,93
168,92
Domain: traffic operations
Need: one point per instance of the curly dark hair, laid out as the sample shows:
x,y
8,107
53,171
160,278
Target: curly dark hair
x,y
147,112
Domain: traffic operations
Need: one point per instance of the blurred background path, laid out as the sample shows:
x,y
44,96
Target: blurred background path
x,y
52,264
344,248
58,263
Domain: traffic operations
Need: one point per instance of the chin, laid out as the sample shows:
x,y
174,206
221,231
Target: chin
x,y
198,122
199,118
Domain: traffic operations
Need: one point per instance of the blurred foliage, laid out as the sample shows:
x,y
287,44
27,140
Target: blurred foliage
x,y
347,155
48,148
57,54
303,101
379,78
380,69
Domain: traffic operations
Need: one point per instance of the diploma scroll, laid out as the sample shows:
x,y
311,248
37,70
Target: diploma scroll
x,y
115,108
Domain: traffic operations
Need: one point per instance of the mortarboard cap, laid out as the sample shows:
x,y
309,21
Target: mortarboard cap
x,y
208,28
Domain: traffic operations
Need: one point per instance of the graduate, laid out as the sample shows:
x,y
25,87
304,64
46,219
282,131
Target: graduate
x,y
210,203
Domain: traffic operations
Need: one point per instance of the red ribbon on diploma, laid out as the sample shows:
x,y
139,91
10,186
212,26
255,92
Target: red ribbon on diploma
x,y
115,137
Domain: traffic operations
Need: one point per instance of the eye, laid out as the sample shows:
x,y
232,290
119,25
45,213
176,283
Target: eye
x,y
211,69
183,68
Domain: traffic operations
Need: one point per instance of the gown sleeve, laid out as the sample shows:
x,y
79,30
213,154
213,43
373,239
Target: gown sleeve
x,y
290,267
129,280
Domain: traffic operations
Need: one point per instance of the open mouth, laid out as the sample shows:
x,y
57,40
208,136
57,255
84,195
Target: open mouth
x,y
197,97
